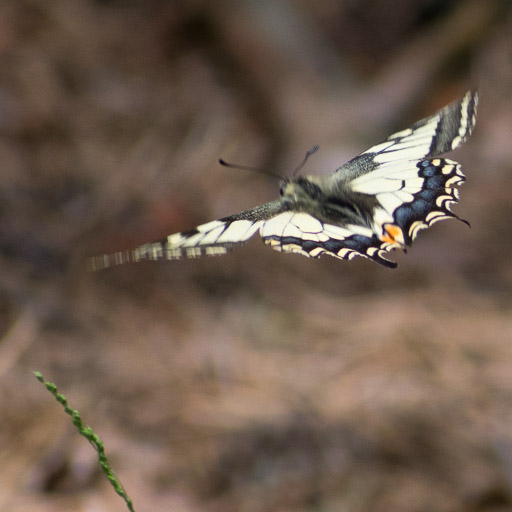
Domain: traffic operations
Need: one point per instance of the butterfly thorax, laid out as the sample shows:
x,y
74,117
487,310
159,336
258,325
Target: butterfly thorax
x,y
331,202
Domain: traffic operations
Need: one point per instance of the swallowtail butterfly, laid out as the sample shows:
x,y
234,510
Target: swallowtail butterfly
x,y
376,202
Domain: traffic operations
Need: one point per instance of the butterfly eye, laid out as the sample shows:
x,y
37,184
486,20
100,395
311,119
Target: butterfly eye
x,y
284,187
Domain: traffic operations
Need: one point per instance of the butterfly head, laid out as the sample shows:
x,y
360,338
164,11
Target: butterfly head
x,y
300,189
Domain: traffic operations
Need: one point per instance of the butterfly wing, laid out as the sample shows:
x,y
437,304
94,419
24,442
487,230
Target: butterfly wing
x,y
412,192
213,238
435,135
386,196
302,233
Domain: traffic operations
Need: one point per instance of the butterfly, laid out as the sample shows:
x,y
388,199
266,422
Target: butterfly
x,y
374,203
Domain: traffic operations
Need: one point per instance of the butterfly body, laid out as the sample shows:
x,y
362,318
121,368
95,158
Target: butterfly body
x,y
328,200
376,202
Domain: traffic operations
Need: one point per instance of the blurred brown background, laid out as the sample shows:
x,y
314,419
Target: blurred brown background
x,y
255,381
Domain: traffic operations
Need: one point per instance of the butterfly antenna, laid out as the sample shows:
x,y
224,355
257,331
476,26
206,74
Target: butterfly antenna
x,y
249,168
312,151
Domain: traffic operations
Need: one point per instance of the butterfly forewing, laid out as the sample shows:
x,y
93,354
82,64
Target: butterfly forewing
x,y
213,238
444,131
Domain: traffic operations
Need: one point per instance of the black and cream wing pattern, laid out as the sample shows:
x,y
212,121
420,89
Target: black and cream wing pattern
x,y
376,202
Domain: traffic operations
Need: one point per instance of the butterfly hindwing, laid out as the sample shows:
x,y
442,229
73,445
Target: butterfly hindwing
x,y
432,203
301,233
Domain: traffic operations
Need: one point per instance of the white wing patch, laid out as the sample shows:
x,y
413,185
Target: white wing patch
x,y
215,232
306,227
392,185
238,231
406,145
294,225
465,124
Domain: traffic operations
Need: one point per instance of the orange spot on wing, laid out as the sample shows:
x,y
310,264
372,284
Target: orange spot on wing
x,y
393,234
